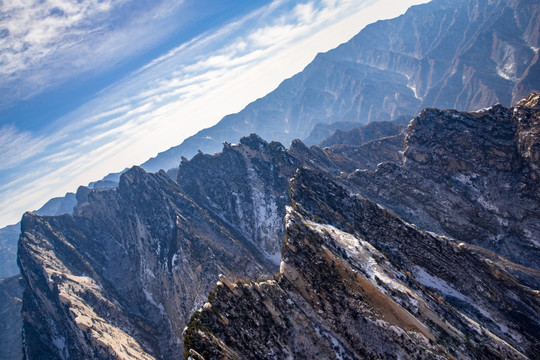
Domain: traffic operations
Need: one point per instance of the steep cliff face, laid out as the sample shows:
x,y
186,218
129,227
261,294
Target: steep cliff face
x,y
357,282
120,278
471,175
459,54
9,235
246,184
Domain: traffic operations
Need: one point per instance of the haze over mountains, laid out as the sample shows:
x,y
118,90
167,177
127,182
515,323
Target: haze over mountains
x,y
447,54
417,241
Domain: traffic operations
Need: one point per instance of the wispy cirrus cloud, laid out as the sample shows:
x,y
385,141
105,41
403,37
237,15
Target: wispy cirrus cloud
x,y
189,88
16,146
43,43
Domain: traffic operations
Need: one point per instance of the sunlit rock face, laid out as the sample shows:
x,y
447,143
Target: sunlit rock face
x,y
357,282
447,54
124,273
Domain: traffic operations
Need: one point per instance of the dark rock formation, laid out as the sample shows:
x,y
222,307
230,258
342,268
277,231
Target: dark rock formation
x,y
357,282
123,274
363,134
246,184
471,175
321,131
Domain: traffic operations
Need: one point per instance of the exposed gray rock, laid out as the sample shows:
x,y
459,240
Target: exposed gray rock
x,y
357,282
471,175
9,235
136,261
246,184
123,274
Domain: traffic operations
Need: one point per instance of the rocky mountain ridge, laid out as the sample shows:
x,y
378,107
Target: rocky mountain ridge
x,y
123,274
357,282
471,175
120,277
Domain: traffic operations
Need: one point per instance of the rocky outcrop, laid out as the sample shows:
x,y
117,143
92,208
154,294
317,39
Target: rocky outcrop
x,y
9,235
123,274
357,282
120,277
245,184
471,175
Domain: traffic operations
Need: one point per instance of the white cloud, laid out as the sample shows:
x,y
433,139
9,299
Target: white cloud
x,y
16,146
190,88
44,43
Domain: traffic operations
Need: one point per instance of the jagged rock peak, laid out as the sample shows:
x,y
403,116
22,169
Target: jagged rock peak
x,y
462,141
532,101
253,141
298,145
471,175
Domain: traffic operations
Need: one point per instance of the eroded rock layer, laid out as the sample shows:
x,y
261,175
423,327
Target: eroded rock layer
x,y
357,282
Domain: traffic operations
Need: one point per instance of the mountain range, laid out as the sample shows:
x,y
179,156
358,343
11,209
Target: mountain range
x,y
457,54
388,239
123,274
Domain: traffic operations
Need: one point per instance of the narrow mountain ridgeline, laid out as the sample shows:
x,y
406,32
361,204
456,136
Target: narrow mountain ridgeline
x,y
357,282
9,235
245,184
471,175
121,276
459,54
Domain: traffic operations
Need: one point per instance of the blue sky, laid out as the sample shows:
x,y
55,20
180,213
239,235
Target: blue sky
x,y
90,87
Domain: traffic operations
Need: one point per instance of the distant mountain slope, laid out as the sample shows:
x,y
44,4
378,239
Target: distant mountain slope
x,y
461,54
363,134
11,318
